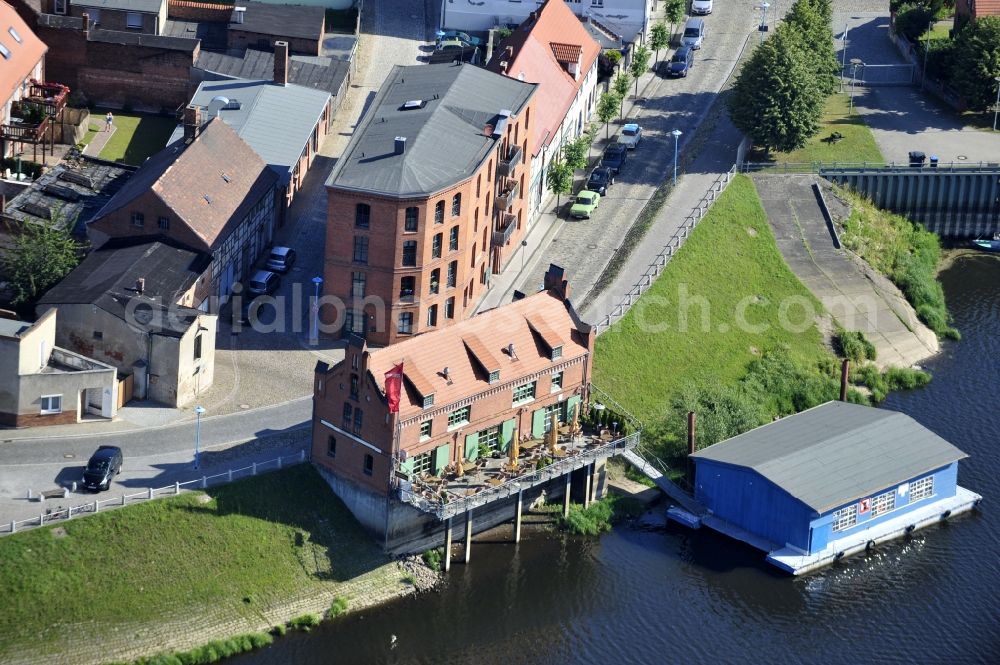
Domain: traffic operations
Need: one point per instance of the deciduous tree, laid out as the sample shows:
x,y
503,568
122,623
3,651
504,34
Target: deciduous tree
x,y
559,178
673,12
42,254
620,87
659,38
811,19
640,63
574,153
607,110
977,62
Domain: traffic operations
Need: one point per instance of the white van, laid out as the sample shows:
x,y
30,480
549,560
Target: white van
x,y
694,33
701,7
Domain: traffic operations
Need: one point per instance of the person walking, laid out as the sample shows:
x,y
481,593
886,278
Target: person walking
x,y
109,120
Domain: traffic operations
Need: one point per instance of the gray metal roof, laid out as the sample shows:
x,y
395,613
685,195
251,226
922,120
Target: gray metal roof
x,y
13,327
148,6
275,120
835,453
308,71
445,139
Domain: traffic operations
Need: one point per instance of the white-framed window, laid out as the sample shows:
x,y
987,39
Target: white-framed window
x,y
423,463
133,19
884,503
524,393
845,518
60,7
557,381
459,417
425,430
491,438
921,489
51,404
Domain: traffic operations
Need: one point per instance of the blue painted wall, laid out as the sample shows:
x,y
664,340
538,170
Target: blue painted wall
x,y
945,484
745,498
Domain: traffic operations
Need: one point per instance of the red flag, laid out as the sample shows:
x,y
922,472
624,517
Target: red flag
x,y
393,387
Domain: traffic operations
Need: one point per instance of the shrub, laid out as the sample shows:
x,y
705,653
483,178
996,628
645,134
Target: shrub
x,y
433,559
304,622
912,21
338,606
599,516
408,579
279,630
855,346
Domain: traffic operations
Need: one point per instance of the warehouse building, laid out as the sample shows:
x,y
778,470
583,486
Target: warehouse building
x,y
827,482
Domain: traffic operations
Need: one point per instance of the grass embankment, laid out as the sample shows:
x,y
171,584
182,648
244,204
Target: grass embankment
x,y
137,136
671,339
727,331
600,515
856,145
904,252
176,573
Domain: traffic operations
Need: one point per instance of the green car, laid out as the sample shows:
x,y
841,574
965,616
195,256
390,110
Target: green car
x,y
586,202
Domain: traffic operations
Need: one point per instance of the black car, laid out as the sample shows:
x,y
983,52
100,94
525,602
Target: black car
x,y
600,180
681,63
614,157
102,468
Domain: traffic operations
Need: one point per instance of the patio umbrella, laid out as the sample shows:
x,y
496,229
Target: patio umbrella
x,y
576,418
460,467
515,449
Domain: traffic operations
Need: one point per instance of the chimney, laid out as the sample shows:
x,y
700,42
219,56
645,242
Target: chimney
x,y
86,23
554,281
140,285
281,63
488,130
503,66
509,51
692,444
192,122
845,372
400,145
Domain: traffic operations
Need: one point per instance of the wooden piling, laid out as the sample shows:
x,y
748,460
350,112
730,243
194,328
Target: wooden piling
x,y
517,517
447,545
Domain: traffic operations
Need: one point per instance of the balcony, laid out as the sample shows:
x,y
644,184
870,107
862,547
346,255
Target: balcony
x,y
505,201
502,237
494,478
51,96
509,162
27,123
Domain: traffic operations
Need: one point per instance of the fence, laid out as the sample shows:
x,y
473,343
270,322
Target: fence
x,y
880,75
49,516
660,261
823,168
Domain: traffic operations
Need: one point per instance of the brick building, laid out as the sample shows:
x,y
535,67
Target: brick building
x,y
144,16
209,191
484,388
428,199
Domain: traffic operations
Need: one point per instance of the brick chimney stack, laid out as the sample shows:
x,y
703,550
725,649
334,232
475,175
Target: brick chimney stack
x,y
555,282
192,122
86,23
281,63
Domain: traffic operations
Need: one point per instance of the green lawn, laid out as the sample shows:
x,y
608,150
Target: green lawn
x,y
244,553
941,30
92,131
857,144
731,258
137,135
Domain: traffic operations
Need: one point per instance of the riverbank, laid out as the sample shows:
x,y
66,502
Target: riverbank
x,y
177,573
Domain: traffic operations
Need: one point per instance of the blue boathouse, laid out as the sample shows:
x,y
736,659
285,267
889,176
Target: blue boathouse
x,y
827,482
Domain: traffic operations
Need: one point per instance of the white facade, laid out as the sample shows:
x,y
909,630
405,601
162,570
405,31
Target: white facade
x,y
626,18
573,124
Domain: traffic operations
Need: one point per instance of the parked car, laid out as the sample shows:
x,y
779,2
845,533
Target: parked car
x,y
681,62
600,179
263,283
463,37
694,33
253,311
630,136
281,259
102,468
585,204
701,7
614,158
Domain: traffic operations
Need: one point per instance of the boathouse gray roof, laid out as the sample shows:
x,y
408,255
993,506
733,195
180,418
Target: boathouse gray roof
x,y
836,453
445,137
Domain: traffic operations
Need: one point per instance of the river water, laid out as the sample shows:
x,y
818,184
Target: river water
x,y
667,595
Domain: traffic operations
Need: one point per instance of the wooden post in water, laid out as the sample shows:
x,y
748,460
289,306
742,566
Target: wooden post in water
x,y
569,483
845,371
468,536
447,545
517,517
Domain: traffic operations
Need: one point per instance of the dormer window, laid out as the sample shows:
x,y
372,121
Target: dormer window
x,y
556,352
428,401
494,376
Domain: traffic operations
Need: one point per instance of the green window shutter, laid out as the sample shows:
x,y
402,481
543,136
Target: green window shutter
x,y
570,405
407,466
538,424
441,455
506,434
472,446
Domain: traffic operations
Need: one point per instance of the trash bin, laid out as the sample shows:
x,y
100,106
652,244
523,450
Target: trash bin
x,y
934,161
917,158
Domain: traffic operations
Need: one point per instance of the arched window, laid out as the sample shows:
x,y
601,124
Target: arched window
x,y
439,212
456,205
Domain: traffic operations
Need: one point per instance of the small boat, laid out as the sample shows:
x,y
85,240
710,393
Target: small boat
x,y
988,245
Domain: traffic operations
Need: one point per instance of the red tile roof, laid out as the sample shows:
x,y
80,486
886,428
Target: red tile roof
x,y
24,55
463,347
540,48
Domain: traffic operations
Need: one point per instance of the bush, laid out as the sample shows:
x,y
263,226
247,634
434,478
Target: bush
x,y
599,516
855,346
279,630
338,606
433,559
212,652
894,378
912,21
304,622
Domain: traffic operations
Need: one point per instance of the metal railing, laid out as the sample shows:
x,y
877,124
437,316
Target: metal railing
x,y
505,200
873,167
663,258
502,237
444,510
509,163
48,516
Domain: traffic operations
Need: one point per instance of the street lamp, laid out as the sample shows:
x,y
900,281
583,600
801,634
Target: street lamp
x,y
197,436
855,62
843,57
524,250
676,134
317,281
763,20
996,108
